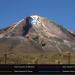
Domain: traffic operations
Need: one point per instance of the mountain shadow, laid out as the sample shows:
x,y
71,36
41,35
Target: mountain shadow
x,y
28,26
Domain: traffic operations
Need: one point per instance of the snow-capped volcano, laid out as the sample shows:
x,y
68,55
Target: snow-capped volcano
x,y
36,33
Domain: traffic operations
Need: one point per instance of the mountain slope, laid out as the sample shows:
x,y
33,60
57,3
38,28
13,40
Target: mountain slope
x,y
36,34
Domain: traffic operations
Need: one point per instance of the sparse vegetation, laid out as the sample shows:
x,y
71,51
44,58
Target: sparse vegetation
x,y
38,58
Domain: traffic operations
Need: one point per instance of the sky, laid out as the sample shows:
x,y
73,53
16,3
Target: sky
x,y
60,11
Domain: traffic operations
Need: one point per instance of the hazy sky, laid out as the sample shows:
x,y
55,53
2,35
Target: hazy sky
x,y
61,11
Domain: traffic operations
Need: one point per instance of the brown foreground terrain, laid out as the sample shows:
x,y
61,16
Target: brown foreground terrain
x,y
38,58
